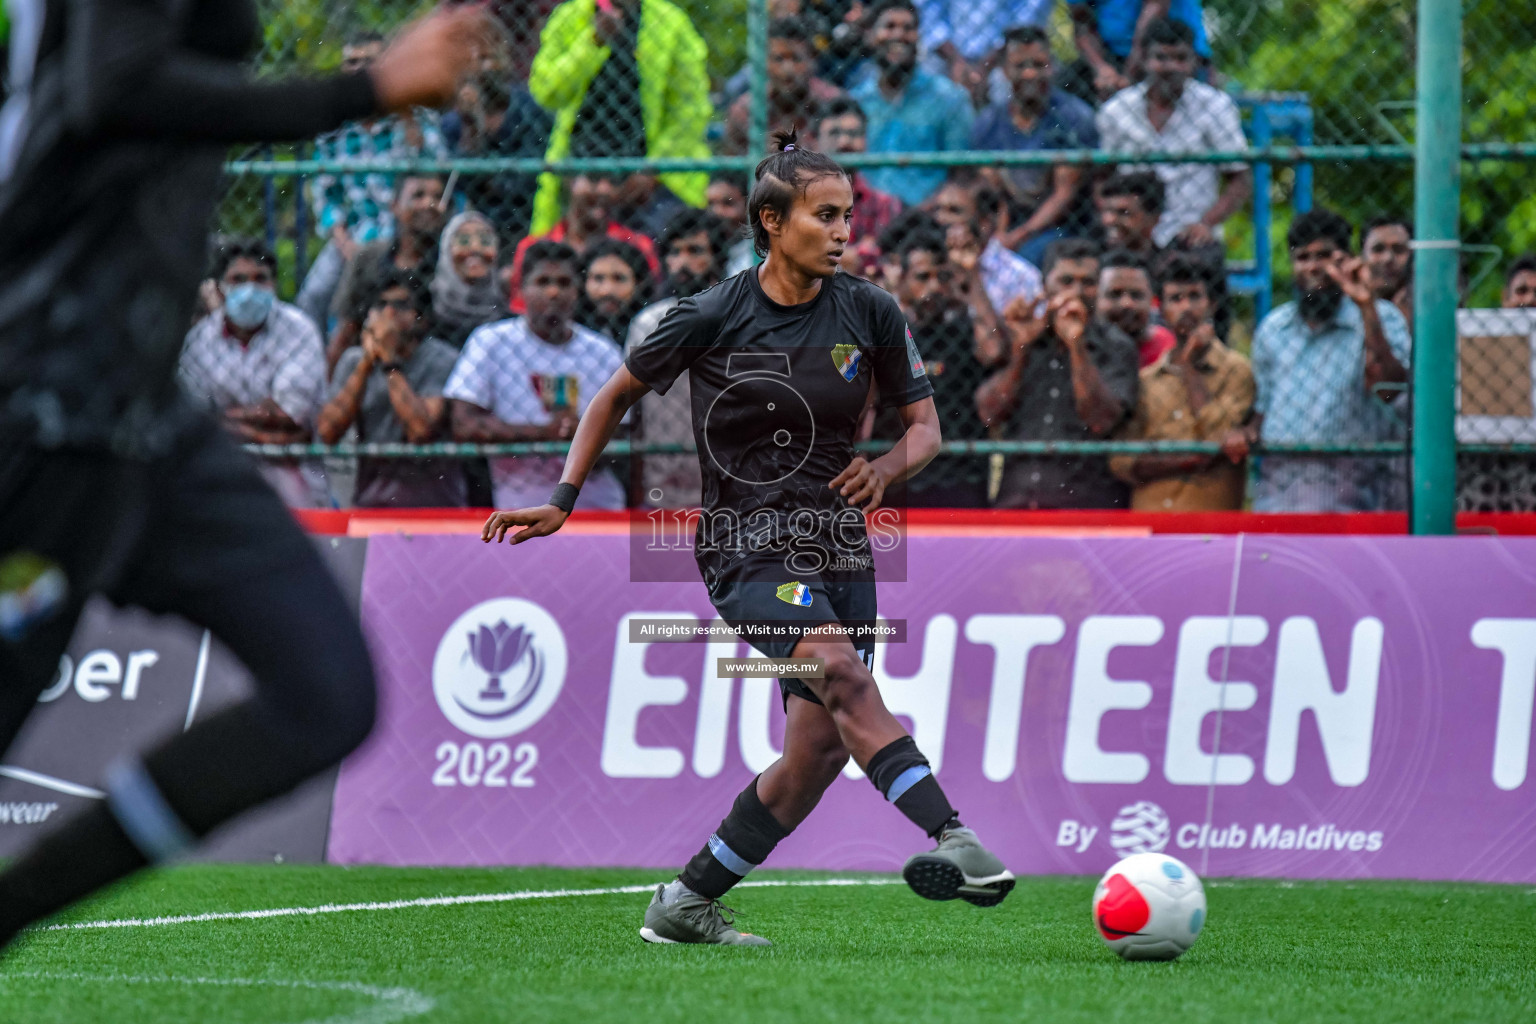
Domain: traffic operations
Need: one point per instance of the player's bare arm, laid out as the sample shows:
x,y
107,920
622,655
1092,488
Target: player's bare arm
x,y
595,429
864,482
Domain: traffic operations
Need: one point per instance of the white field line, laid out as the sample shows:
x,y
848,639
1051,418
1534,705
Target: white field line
x,y
390,1004
434,901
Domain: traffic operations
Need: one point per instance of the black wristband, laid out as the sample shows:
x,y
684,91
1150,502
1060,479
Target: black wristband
x,y
564,497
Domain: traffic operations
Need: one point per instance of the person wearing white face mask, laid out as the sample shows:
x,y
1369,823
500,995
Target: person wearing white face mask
x,y
260,363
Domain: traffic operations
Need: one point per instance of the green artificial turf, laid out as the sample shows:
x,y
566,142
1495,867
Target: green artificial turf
x,y
1272,951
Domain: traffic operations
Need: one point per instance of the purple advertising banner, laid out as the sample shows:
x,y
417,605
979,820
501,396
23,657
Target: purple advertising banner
x,y
1375,722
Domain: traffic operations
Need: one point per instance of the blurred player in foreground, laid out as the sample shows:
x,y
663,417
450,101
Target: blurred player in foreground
x,y
112,141
782,540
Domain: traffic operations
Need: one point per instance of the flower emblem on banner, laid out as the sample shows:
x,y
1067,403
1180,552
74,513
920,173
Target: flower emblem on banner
x,y
499,668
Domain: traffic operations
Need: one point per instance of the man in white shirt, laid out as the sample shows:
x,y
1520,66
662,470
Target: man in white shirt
x,y
261,364
530,378
1171,113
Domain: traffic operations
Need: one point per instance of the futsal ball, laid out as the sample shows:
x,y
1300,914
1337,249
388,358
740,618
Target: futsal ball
x,y
1149,907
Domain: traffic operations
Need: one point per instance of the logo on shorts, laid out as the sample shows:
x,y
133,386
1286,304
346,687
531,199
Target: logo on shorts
x,y
1141,827
499,667
846,359
912,357
32,589
795,593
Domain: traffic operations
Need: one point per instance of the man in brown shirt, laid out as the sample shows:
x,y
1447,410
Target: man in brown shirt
x,y
1199,391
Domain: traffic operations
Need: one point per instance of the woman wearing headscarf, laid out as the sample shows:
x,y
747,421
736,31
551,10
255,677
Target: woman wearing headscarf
x,y
465,292
615,285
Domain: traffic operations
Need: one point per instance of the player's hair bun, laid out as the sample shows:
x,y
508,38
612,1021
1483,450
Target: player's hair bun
x,y
785,140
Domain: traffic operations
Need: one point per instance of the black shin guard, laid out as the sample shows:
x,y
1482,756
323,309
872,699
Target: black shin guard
x,y
744,840
902,775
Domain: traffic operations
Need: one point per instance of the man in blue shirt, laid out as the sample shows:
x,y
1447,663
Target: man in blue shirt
x,y
1330,367
967,36
1108,35
1045,201
910,110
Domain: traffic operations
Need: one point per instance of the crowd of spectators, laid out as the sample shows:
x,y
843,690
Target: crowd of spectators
x,y
1053,302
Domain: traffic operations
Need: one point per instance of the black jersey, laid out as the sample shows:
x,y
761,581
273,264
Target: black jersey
x,y
112,139
776,393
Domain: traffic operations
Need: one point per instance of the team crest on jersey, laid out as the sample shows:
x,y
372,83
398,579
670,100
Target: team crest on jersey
x,y
795,593
846,359
912,357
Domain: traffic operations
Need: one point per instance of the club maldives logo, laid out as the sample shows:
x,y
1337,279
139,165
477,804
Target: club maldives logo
x,y
1141,827
846,359
499,667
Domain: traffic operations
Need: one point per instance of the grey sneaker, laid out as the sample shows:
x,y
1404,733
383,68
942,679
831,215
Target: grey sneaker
x,y
960,867
692,918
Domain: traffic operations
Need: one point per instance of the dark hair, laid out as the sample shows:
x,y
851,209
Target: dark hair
x,y
1068,249
1144,186
1319,224
792,29
1026,35
624,251
989,200
1384,220
923,241
1180,268
879,7
913,220
733,179
231,249
1524,264
690,221
1124,259
545,251
401,277
1167,31
781,178
837,106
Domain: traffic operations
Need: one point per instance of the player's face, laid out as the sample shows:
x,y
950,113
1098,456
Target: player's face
x,y
1185,306
1074,277
610,284
549,292
473,251
1125,299
1520,292
726,202
1389,258
1126,222
812,237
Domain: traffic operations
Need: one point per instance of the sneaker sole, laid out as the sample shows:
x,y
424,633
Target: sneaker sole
x,y
935,878
650,936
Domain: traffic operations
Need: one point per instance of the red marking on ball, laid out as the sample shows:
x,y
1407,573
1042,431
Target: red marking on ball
x,y
1122,910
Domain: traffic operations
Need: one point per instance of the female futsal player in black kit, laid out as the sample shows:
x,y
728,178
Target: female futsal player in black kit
x,y
780,359
117,119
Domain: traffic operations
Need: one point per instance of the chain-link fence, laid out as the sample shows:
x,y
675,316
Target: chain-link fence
x,y
1156,263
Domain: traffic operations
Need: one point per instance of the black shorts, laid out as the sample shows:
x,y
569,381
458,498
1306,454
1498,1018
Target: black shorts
x,y
163,534
763,591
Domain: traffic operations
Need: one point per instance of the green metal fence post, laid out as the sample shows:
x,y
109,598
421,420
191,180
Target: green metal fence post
x,y
1437,201
757,62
